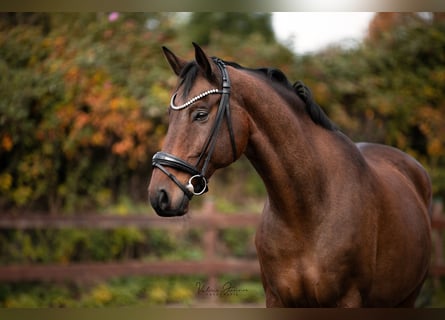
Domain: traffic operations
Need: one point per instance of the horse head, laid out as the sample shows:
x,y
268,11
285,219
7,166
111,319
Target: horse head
x,y
207,130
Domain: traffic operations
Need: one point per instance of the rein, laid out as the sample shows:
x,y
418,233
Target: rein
x,y
197,184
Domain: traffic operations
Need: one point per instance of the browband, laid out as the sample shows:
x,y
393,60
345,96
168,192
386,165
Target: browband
x,y
192,100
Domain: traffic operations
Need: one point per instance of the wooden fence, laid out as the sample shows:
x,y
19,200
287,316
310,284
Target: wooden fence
x,y
211,266
207,219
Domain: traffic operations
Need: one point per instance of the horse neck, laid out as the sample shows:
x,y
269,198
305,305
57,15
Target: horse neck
x,y
289,152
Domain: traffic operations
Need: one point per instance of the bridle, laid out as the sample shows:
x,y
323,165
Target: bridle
x,y
197,184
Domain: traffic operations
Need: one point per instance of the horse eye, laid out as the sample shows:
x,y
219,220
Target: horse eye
x,y
201,115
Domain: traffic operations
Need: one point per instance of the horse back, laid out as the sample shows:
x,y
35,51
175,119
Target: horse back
x,y
385,158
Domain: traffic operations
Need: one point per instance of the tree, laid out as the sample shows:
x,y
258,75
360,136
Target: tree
x,y
84,99
201,26
82,107
391,88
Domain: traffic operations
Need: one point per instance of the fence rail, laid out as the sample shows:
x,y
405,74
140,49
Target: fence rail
x,y
81,272
104,221
210,266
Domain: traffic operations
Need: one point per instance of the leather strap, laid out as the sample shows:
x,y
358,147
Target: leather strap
x,y
169,160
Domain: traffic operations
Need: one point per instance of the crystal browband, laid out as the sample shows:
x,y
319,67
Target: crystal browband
x,y
192,100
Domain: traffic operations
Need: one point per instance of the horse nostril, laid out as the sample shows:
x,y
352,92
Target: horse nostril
x,y
163,200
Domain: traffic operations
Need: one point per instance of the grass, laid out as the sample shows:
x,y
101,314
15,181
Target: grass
x,y
127,291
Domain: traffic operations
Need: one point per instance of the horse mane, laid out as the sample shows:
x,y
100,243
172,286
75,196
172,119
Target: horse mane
x,y
313,109
278,81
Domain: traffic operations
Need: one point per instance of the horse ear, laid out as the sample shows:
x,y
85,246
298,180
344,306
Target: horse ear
x,y
176,63
203,61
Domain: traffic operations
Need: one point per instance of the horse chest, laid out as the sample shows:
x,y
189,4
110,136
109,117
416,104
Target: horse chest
x,y
297,277
296,283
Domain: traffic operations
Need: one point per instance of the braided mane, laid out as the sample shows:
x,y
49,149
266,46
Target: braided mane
x,y
275,77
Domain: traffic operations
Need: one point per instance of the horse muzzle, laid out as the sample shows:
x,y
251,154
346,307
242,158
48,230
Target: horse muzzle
x,y
167,204
170,197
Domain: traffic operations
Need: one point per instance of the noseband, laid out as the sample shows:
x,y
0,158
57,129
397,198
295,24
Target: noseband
x,y
197,184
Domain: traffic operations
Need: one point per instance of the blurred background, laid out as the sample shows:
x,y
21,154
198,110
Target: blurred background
x,y
83,108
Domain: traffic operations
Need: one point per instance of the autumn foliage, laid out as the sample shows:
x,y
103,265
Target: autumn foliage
x,y
84,96
391,88
78,116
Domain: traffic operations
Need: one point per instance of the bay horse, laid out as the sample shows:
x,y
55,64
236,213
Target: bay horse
x,y
343,225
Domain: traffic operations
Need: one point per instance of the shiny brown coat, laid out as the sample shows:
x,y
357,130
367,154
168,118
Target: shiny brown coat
x,y
344,224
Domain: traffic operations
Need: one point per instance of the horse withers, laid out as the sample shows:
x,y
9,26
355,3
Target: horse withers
x,y
344,224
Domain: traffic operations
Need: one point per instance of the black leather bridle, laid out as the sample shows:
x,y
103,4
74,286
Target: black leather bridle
x,y
197,184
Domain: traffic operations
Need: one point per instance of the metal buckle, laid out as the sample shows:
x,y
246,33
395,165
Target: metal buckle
x,y
197,185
